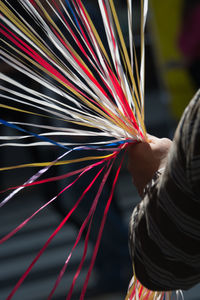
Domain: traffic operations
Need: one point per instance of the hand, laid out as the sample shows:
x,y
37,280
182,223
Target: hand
x,y
145,158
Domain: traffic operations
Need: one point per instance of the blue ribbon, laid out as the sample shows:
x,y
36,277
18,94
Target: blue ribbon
x,y
32,133
43,138
76,21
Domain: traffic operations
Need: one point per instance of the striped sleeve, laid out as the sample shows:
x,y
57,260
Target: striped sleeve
x,y
165,226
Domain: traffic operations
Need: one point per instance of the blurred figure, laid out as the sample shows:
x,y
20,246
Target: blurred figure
x,y
189,38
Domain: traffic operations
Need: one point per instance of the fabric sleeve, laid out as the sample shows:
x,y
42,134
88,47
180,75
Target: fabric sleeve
x,y
165,226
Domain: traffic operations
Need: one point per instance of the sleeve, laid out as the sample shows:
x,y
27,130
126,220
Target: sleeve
x,y
165,227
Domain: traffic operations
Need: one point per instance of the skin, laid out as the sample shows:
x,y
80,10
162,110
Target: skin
x,y
145,158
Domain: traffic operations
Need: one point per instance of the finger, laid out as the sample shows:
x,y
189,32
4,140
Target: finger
x,y
152,139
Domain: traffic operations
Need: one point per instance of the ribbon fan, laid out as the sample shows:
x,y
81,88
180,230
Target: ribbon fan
x,y
80,93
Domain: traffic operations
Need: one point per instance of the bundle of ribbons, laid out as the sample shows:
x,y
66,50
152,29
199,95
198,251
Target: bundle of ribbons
x,y
87,94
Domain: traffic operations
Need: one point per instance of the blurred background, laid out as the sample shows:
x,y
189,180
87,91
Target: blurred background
x,y
171,79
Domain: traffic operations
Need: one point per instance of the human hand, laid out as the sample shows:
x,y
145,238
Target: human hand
x,y
145,158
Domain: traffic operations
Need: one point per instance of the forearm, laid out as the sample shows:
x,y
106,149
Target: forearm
x,y
165,227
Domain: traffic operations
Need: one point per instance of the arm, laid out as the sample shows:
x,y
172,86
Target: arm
x,y
165,226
